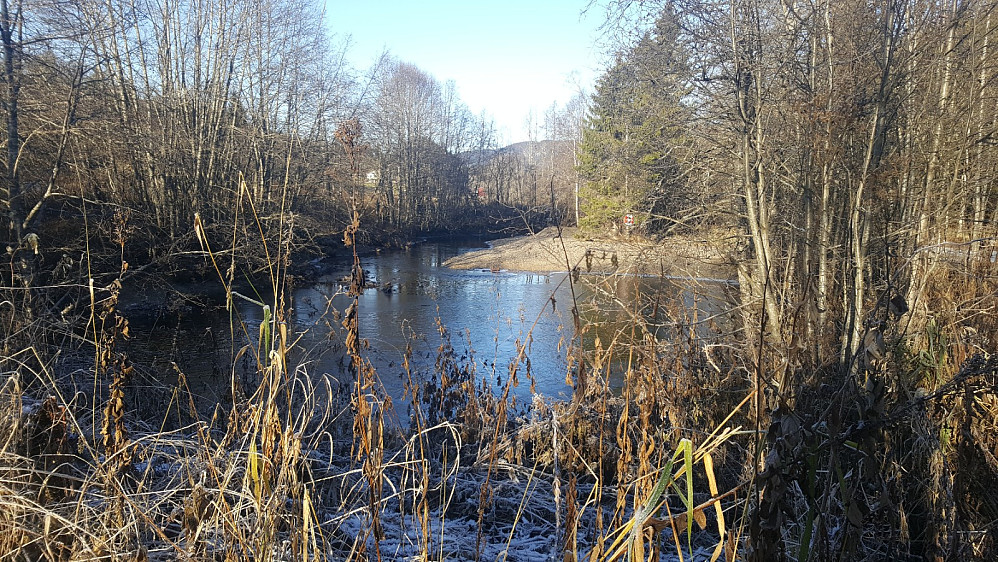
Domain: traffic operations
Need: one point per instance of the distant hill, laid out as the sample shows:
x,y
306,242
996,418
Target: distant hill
x,y
477,157
530,152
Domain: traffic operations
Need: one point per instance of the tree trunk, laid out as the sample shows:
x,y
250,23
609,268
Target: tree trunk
x,y
8,23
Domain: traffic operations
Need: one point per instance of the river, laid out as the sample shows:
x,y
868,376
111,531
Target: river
x,y
488,316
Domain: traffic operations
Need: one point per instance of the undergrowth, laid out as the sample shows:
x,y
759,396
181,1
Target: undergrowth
x,y
672,447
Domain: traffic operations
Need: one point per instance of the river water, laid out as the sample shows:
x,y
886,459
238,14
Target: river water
x,y
489,317
485,314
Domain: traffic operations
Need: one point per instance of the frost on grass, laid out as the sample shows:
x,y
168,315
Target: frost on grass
x,y
194,492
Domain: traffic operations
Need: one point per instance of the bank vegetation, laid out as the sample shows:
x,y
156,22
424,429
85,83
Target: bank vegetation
x,y
839,157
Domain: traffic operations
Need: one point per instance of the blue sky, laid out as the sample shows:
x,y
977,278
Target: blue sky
x,y
506,57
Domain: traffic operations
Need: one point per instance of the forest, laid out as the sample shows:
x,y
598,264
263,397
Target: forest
x,y
839,158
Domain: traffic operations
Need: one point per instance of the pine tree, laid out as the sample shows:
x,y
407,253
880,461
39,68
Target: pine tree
x,y
630,155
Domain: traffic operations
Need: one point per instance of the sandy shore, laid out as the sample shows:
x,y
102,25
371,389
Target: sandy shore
x,y
546,252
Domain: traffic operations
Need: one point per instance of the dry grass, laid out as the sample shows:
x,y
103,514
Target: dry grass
x,y
296,471
668,466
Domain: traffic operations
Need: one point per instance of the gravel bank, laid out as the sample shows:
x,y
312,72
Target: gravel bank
x,y
546,252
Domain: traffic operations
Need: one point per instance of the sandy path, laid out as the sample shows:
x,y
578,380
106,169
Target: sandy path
x,y
546,252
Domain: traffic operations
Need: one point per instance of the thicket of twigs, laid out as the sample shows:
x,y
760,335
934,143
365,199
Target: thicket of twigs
x,y
701,453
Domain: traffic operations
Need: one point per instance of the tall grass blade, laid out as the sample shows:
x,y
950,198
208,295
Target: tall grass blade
x,y
708,467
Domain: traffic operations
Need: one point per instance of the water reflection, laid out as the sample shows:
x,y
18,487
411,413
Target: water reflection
x,y
489,316
653,312
486,314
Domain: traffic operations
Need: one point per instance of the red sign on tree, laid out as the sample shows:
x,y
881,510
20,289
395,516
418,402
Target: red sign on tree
x,y
629,219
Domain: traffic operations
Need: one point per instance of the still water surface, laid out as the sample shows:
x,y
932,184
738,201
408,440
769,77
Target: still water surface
x,y
488,316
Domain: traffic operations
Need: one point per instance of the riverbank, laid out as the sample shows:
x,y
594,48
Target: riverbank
x,y
547,251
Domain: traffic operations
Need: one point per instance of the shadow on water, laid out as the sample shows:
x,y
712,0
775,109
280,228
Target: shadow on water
x,y
622,313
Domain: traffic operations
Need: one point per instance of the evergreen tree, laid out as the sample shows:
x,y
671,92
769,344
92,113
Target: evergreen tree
x,y
630,155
